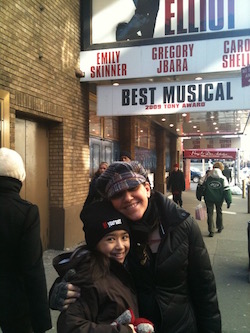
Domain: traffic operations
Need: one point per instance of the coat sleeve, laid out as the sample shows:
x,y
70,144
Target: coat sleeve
x,y
81,318
202,284
31,265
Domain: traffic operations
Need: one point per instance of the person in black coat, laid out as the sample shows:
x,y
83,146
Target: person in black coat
x,y
24,304
176,184
93,194
227,173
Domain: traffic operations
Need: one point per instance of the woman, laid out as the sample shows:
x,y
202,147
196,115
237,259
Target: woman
x,y
24,304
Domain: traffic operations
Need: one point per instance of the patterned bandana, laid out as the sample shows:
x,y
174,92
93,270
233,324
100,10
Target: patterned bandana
x,y
121,176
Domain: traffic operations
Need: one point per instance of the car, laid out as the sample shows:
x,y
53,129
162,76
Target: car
x,y
195,175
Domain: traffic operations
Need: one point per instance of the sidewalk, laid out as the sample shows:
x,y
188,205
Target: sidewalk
x,y
229,256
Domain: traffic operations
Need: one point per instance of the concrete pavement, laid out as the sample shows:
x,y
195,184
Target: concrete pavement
x,y
229,256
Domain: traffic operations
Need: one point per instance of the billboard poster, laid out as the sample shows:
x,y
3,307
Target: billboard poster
x,y
173,97
117,21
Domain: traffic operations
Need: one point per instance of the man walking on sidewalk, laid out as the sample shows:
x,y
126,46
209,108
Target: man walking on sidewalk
x,y
215,189
176,184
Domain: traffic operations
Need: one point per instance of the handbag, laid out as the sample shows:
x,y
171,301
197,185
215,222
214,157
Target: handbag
x,y
201,211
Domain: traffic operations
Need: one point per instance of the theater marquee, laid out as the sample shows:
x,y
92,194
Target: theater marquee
x,y
166,60
167,98
160,38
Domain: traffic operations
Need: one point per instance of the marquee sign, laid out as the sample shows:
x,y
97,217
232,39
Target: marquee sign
x,y
125,39
222,153
172,97
166,60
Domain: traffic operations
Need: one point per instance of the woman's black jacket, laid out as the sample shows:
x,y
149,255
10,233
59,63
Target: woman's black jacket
x,y
23,290
176,287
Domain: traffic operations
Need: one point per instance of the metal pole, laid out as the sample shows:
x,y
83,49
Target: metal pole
x,y
248,198
238,168
243,188
248,236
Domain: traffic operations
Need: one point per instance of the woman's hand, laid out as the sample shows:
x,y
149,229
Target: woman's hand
x,y
63,293
73,293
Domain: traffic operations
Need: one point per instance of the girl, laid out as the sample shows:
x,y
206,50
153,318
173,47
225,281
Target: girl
x,y
100,275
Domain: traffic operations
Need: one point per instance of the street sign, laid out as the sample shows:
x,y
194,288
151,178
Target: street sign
x,y
245,76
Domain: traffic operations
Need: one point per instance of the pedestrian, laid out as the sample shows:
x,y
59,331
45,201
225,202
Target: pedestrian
x,y
168,259
215,190
176,184
100,275
125,156
227,173
93,194
24,304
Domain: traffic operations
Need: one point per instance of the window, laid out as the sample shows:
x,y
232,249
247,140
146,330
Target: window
x,y
102,127
142,134
196,144
210,143
225,143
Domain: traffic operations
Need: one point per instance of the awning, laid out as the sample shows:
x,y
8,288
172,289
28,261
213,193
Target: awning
x,y
222,153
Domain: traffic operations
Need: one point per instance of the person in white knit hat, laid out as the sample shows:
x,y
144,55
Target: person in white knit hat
x,y
23,291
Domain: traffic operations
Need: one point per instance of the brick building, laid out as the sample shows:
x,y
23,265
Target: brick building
x,y
44,109
46,112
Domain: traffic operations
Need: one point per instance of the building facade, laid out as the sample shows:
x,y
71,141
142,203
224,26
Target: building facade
x,y
45,116
44,111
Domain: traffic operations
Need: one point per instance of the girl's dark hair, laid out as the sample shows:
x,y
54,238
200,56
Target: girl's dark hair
x,y
99,265
95,265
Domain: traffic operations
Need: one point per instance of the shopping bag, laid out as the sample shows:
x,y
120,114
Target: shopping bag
x,y
201,211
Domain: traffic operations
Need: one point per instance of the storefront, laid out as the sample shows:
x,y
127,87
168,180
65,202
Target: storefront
x,y
55,101
145,60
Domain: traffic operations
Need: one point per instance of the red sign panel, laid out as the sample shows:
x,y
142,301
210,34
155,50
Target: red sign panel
x,y
225,154
245,76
